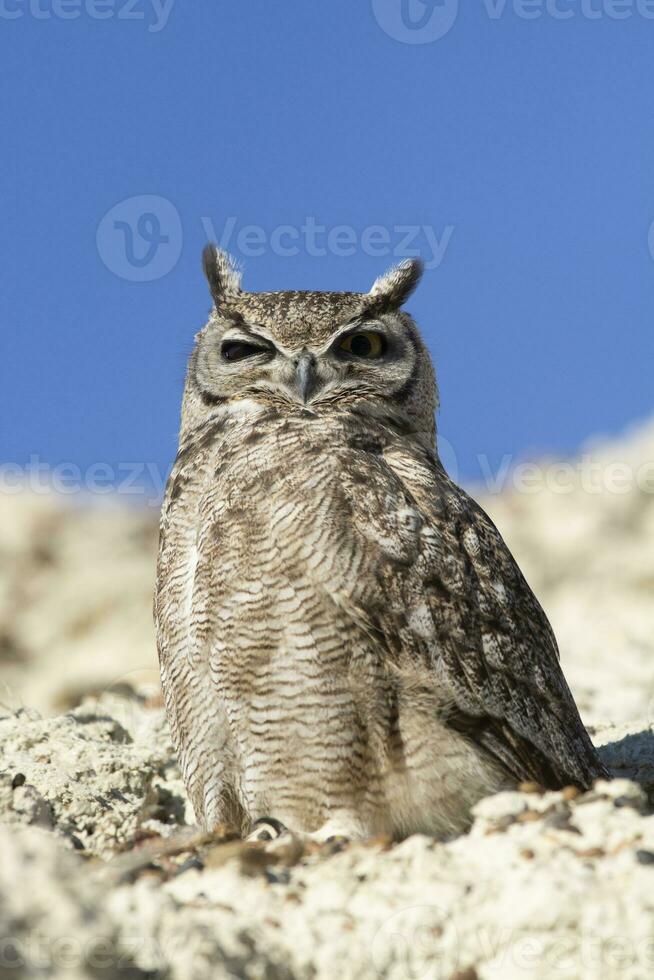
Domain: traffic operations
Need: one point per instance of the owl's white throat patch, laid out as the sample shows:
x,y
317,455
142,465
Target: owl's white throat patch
x,y
244,408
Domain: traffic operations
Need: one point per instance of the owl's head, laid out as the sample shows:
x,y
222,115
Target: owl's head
x,y
315,351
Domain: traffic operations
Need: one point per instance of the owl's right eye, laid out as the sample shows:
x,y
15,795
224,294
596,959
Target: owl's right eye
x,y
237,350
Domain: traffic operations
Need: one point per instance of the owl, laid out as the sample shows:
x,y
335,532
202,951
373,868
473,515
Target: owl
x,y
347,646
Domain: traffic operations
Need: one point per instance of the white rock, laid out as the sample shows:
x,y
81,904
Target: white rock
x,y
542,885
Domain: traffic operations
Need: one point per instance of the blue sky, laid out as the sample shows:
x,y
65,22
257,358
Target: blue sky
x,y
322,142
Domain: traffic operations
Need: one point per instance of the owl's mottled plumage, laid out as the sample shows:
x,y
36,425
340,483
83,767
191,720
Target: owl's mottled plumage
x,y
346,644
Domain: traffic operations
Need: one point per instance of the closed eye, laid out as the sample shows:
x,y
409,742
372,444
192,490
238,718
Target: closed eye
x,y
237,350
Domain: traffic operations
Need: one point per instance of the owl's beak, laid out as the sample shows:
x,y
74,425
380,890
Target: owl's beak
x,y
306,378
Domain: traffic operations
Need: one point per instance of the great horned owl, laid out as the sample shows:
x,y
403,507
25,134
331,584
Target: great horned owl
x,y
347,646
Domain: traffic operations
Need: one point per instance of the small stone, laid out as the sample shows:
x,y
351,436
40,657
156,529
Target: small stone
x,y
561,821
530,787
336,844
570,792
590,797
529,816
383,841
645,857
254,861
630,801
193,863
223,833
32,807
591,852
505,822
18,780
528,854
288,849
623,792
252,857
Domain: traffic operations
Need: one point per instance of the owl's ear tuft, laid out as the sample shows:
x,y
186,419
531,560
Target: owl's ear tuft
x,y
223,275
393,289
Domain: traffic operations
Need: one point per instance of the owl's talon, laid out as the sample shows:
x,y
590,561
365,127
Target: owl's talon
x,y
267,829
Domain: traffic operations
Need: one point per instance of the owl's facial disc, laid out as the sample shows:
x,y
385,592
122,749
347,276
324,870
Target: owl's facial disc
x,y
326,351
366,361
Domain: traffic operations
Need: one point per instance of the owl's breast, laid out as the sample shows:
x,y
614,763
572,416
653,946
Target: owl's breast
x,y
281,453
279,497
304,527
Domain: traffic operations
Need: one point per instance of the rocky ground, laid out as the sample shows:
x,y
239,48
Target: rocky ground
x,y
103,875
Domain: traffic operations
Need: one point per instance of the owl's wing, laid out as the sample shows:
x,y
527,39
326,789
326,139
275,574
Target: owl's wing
x,y
449,593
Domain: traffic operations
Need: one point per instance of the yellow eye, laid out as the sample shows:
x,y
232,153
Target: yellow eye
x,y
365,344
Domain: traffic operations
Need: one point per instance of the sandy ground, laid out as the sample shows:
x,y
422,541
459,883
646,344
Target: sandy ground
x,y
544,885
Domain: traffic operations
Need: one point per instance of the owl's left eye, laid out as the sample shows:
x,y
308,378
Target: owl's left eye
x,y
366,344
236,350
